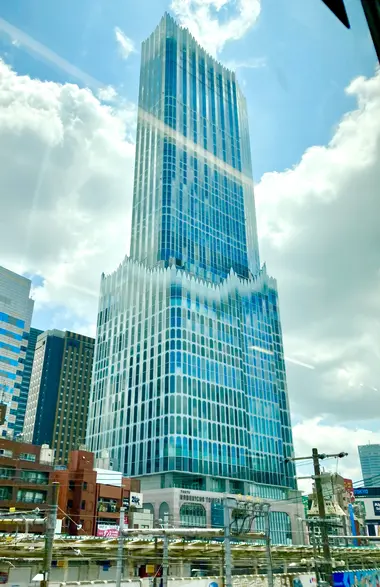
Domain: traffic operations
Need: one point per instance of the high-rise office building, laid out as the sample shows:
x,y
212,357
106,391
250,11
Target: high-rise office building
x,y
59,391
369,455
16,308
189,384
24,391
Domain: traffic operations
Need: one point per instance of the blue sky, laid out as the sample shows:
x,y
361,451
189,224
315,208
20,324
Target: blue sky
x,y
313,100
294,99
294,64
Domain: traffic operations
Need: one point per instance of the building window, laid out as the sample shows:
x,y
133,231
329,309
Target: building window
x,y
6,473
83,504
31,496
107,505
163,513
193,515
84,485
5,493
70,503
24,456
37,477
6,453
281,529
71,485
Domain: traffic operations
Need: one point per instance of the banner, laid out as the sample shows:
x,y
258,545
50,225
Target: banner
x,y
349,488
106,531
360,578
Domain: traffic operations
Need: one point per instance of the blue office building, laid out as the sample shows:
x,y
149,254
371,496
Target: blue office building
x,y
44,388
189,384
16,309
369,455
59,390
25,383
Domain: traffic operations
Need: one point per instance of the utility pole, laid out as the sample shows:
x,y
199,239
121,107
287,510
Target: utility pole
x,y
120,548
227,545
312,532
326,574
51,523
165,560
268,549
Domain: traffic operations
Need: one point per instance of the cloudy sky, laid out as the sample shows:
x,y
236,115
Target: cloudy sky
x,y
68,92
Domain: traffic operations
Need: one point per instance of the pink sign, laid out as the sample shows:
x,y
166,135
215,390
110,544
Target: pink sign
x,y
105,531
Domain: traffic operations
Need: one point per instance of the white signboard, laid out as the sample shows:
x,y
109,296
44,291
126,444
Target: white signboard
x,y
105,531
108,477
136,500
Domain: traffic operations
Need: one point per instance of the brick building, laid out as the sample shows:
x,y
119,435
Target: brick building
x,y
91,497
88,497
25,478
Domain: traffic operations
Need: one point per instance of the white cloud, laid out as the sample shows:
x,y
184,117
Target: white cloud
x,y
66,183
252,63
318,225
126,45
331,439
107,94
211,21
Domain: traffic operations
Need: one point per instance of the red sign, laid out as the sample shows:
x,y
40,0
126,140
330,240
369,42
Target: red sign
x,y
105,531
349,487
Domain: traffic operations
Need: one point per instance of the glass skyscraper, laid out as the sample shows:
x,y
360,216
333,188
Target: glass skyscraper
x,y
189,385
16,309
369,455
59,391
24,391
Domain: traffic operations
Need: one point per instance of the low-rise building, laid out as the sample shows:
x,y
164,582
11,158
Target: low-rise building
x,y
343,516
25,479
204,509
367,501
89,497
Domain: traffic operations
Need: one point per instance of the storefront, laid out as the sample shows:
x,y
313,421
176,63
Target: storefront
x,y
370,498
201,509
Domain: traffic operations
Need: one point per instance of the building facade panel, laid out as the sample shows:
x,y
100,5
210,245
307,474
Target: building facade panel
x,y
16,308
193,178
369,455
190,377
26,375
59,391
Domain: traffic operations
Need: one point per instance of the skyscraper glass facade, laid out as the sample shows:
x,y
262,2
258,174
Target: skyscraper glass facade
x,y
369,455
193,189
24,391
44,388
16,308
59,391
189,379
